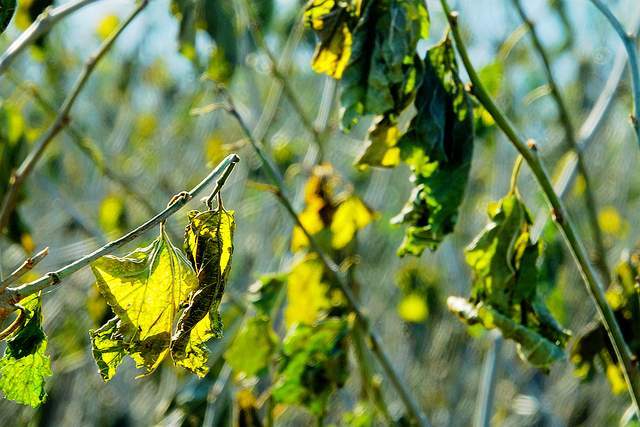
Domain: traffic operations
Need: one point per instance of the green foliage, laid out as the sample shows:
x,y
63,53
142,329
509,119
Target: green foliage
x,y
25,365
505,293
7,9
252,349
438,147
313,365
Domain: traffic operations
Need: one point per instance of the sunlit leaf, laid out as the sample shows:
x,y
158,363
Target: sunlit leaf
x,y
381,147
209,247
253,347
505,293
107,25
350,216
314,364
25,364
438,147
307,295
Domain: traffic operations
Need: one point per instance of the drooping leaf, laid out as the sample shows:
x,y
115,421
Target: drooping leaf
x,y
307,293
380,149
314,364
504,293
438,147
209,247
333,22
7,9
25,364
147,290
383,68
253,347
592,343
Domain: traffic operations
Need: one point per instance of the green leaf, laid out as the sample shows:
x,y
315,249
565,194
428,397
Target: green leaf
x,y
264,293
314,364
504,293
383,67
252,349
438,148
7,9
209,247
108,347
25,365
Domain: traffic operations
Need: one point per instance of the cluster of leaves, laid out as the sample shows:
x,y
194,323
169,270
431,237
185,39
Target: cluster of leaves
x,y
592,343
165,303
371,46
505,293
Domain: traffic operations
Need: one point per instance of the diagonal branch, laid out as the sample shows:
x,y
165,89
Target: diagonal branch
x,y
570,135
24,268
630,46
560,215
333,270
11,296
41,25
61,121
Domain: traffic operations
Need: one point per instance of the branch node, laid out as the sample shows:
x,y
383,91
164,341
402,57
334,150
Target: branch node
x,y
557,216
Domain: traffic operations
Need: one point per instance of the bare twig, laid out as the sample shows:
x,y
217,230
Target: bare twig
x,y
488,383
62,119
628,40
333,270
41,25
560,215
24,268
589,129
569,130
11,296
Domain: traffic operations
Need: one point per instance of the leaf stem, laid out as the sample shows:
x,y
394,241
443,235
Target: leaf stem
x,y
630,46
11,296
61,121
560,214
333,270
570,135
515,173
41,25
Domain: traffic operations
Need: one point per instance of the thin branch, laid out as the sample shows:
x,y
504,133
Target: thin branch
x,y
589,129
630,46
86,146
488,383
279,75
333,270
560,214
62,119
41,25
24,268
569,130
11,296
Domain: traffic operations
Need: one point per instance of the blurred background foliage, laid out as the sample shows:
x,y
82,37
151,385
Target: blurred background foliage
x,y
135,119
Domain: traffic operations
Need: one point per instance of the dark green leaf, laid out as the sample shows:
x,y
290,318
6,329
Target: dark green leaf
x,y
438,147
314,364
7,9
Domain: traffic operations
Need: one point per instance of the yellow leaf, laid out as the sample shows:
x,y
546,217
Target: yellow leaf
x,y
306,293
352,215
611,222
